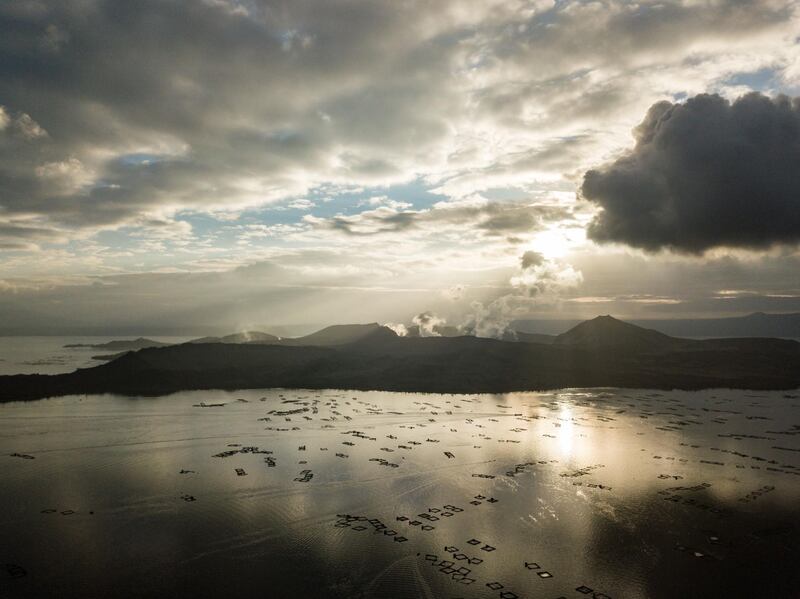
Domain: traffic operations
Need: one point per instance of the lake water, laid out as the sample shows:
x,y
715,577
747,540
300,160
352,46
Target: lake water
x,y
599,493
47,355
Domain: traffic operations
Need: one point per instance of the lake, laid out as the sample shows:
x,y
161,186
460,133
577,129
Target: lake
x,y
48,354
343,494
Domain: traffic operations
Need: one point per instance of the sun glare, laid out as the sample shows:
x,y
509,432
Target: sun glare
x,y
552,244
566,431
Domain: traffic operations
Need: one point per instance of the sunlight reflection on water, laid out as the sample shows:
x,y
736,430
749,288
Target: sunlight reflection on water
x,y
616,491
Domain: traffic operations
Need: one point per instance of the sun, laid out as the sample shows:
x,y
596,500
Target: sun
x,y
555,243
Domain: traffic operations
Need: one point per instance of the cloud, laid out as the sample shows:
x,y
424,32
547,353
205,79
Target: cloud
x,y
26,234
703,174
303,95
129,142
454,293
467,94
301,204
530,259
490,218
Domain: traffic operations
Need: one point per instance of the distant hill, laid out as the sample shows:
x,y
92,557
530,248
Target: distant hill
x,y
342,334
543,326
532,338
606,332
109,357
243,337
757,324
333,335
121,346
603,352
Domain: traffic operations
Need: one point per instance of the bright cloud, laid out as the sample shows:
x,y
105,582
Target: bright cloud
x,y
427,145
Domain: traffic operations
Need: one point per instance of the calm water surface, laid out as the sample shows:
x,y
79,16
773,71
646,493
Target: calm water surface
x,y
293,493
47,355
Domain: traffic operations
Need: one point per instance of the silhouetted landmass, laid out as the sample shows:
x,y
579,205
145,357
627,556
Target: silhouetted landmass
x,y
243,337
533,338
605,332
109,357
333,335
757,324
603,352
123,345
343,334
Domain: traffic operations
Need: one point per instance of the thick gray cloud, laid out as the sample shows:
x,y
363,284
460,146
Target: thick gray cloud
x,y
114,110
704,174
231,103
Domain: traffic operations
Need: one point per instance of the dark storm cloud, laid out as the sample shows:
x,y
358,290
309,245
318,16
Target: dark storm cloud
x,y
234,103
704,174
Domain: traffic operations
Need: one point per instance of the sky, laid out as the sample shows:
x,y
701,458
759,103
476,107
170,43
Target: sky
x,y
196,165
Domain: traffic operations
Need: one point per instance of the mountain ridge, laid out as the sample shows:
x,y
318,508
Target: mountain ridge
x,y
755,324
381,360
608,332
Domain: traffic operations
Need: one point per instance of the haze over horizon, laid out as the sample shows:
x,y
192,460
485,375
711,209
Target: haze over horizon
x,y
359,161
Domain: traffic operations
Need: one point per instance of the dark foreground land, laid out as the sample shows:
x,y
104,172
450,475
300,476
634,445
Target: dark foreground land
x,y
603,352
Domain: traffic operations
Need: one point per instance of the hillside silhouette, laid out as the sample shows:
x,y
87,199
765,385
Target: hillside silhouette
x,y
603,352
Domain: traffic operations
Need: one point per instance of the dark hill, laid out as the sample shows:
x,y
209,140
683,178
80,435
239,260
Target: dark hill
x,y
243,337
606,332
757,324
342,334
533,338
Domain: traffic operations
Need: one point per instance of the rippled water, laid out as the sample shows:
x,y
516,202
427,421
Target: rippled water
x,y
620,494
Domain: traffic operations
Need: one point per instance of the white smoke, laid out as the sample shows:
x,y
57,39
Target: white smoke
x,y
400,329
428,323
540,281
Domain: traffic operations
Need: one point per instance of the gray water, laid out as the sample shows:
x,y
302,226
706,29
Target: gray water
x,y
47,355
581,493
